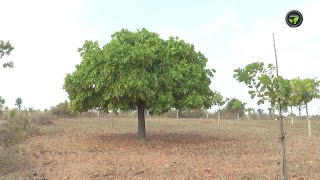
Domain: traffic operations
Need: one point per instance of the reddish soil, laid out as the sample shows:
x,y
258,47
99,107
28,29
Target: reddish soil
x,y
84,154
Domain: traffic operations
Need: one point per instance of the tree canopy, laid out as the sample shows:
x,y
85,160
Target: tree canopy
x,y
139,70
236,106
218,99
303,92
264,84
5,49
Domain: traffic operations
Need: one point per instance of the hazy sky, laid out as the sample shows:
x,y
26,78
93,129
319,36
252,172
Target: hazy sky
x,y
231,34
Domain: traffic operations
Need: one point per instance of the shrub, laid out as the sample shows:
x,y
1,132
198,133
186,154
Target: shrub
x,y
61,110
12,113
44,118
19,127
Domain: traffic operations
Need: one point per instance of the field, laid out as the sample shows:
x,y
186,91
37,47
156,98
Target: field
x,y
176,149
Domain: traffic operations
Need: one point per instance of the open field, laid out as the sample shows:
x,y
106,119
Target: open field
x,y
175,149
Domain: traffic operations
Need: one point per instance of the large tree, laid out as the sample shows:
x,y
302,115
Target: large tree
x,y
5,49
139,70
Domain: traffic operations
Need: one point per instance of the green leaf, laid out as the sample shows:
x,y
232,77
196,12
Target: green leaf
x,y
261,101
259,84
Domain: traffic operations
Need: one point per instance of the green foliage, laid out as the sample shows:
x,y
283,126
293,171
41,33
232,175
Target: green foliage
x,y
236,106
18,103
218,99
61,110
139,67
296,96
260,111
250,110
284,92
12,113
310,90
5,49
263,83
303,91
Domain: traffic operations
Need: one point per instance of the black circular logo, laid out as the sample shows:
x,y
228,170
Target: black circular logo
x,y
294,18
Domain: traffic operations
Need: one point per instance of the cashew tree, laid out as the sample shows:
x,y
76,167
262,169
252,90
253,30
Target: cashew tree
x,y
250,111
266,84
295,98
139,70
263,83
236,106
304,91
219,100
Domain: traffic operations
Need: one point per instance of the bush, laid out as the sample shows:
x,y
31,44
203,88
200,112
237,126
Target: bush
x,y
44,118
61,111
19,127
12,113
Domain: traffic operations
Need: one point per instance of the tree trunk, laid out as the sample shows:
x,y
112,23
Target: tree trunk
x,y
291,114
273,113
207,115
299,108
309,122
283,168
177,113
282,145
238,116
309,128
141,122
219,114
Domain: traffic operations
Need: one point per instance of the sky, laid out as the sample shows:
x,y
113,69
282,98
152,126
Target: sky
x,y
230,33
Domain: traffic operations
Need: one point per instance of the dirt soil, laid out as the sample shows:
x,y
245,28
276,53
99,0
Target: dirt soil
x,y
99,154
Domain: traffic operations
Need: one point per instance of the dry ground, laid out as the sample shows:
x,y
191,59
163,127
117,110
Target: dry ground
x,y
175,149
